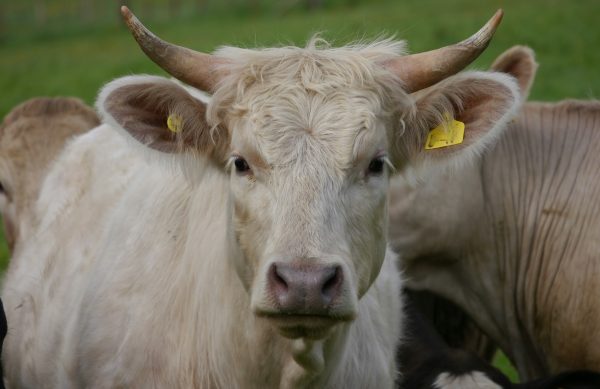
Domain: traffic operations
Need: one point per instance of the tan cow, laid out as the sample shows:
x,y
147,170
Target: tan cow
x,y
513,238
31,137
240,242
456,328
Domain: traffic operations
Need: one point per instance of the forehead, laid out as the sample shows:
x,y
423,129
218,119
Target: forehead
x,y
329,103
290,121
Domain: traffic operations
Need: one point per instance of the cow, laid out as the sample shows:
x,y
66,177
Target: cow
x,y
456,328
241,242
511,238
31,135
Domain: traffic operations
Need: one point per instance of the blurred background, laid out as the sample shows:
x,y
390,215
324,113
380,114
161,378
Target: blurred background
x,y
73,47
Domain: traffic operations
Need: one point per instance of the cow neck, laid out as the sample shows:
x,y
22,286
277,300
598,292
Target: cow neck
x,y
305,364
542,178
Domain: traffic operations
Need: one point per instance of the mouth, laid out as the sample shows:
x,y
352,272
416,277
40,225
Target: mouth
x,y
294,326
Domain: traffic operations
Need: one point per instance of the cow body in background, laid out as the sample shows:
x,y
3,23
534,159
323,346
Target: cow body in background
x,y
240,242
512,239
456,328
31,137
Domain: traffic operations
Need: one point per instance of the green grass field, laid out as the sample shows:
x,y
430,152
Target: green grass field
x,y
74,60
564,34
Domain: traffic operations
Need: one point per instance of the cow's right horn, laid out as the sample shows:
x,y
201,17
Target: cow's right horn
x,y
418,71
197,69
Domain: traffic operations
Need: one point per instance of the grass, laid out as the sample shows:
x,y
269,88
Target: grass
x,y
502,362
75,60
78,63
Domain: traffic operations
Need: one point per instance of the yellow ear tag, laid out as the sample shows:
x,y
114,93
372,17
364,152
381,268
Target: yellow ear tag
x,y
175,123
449,133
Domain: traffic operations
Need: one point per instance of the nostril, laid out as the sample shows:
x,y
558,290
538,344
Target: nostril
x,y
280,280
332,285
277,280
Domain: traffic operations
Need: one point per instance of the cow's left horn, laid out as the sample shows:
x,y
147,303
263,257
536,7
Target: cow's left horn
x,y
418,71
197,69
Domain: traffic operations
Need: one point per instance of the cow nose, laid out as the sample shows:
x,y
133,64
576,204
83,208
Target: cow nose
x,y
305,289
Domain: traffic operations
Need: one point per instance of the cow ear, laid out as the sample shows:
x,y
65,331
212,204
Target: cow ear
x,y
519,62
161,115
483,102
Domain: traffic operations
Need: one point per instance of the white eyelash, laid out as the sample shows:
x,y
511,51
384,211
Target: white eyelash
x,y
229,163
389,163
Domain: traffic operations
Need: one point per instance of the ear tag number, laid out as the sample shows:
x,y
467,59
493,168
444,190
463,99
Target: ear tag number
x,y
449,133
175,123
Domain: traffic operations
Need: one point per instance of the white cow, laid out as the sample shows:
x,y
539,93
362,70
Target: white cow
x,y
263,261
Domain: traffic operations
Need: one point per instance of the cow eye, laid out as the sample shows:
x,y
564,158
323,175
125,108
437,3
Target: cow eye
x,y
241,166
376,166
1,188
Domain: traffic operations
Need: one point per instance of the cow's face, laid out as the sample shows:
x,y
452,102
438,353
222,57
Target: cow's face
x,y
308,137
309,171
309,175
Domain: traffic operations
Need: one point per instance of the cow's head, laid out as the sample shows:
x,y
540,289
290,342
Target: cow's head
x,y
31,136
309,137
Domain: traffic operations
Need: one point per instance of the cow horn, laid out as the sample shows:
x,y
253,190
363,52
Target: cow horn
x,y
194,68
418,71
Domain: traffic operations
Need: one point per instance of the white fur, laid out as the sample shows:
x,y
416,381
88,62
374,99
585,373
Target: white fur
x,y
85,309
475,380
